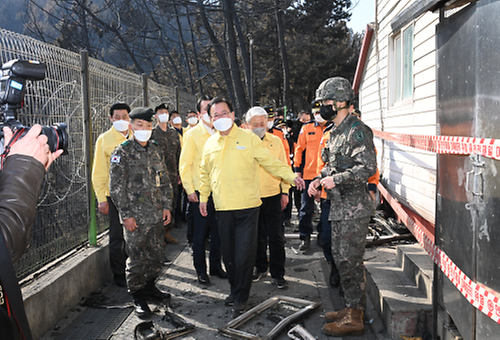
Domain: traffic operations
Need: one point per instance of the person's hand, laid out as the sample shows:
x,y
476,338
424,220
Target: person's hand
x,y
193,197
328,183
167,216
284,201
104,207
130,224
299,183
313,188
203,209
32,144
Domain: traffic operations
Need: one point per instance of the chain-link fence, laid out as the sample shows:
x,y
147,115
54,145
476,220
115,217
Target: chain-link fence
x,y
62,218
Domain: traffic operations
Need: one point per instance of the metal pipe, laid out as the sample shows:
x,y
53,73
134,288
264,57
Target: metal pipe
x,y
87,126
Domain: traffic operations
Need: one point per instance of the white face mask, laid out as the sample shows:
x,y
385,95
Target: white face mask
x,y
223,124
318,118
177,120
121,125
270,124
206,118
163,118
142,135
192,120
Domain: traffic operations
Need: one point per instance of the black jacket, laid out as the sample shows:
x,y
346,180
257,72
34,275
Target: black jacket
x,y
20,186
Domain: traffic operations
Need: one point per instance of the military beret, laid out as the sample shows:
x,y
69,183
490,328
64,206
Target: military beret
x,y
144,113
161,106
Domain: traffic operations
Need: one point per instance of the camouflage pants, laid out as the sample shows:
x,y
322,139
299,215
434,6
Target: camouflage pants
x,y
348,249
145,249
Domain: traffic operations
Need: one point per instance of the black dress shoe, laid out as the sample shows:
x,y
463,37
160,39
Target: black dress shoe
x,y
140,304
203,278
219,272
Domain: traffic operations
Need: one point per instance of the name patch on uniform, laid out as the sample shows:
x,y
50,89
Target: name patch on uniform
x,y
240,147
115,159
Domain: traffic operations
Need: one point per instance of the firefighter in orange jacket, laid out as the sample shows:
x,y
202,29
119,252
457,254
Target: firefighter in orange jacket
x,y
305,165
271,114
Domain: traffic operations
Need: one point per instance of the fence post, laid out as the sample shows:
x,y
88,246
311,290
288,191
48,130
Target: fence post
x,y
87,128
145,96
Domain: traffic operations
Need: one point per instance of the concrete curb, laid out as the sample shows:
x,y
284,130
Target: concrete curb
x,y
49,297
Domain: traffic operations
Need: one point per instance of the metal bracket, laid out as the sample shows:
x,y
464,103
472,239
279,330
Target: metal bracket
x,y
232,331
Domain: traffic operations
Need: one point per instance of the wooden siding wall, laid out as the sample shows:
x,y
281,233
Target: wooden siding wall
x,y
410,174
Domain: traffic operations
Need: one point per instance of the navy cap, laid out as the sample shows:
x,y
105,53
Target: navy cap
x,y
144,113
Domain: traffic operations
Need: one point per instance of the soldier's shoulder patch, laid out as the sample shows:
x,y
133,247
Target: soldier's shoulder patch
x,y
359,135
115,159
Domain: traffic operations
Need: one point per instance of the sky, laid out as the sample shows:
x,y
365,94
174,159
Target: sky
x,y
363,13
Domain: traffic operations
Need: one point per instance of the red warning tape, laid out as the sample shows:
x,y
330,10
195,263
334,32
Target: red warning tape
x,y
483,298
486,147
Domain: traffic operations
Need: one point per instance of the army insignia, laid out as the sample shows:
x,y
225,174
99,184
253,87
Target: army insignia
x,y
359,135
115,159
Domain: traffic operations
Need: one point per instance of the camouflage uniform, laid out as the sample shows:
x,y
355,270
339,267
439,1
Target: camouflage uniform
x,y
140,188
350,159
171,147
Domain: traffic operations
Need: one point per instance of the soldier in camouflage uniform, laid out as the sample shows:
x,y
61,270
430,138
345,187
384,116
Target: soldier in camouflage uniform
x,y
168,139
140,188
350,159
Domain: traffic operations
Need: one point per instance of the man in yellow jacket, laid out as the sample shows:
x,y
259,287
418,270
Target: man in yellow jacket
x,y
104,147
189,169
230,172
274,197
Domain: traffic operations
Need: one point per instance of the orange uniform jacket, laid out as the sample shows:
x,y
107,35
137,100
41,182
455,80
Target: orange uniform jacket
x,y
309,140
281,135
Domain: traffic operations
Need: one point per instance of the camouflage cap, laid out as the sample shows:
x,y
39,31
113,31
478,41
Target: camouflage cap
x,y
336,88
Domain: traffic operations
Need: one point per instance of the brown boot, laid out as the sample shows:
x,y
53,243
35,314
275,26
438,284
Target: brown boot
x,y
337,315
169,238
351,324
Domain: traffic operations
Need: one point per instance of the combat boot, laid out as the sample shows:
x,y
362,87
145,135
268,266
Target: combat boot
x,y
305,243
336,315
152,292
169,238
351,324
141,306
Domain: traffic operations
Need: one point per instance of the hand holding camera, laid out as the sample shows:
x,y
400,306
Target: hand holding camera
x,y
33,144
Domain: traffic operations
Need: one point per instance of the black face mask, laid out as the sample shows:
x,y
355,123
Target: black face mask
x,y
327,112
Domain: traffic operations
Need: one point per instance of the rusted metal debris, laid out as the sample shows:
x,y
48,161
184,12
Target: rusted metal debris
x,y
151,331
232,331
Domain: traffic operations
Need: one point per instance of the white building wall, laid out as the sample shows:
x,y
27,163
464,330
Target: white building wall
x,y
409,174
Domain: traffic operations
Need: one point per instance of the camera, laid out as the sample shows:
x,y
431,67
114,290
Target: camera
x,y
12,91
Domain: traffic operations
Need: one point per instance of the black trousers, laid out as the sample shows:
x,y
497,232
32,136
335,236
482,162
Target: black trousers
x,y
270,230
117,254
202,226
238,235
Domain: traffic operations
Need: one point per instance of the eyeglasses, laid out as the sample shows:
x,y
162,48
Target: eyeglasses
x,y
220,115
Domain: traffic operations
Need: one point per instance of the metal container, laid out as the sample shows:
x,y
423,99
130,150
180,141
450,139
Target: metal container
x,y
468,195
